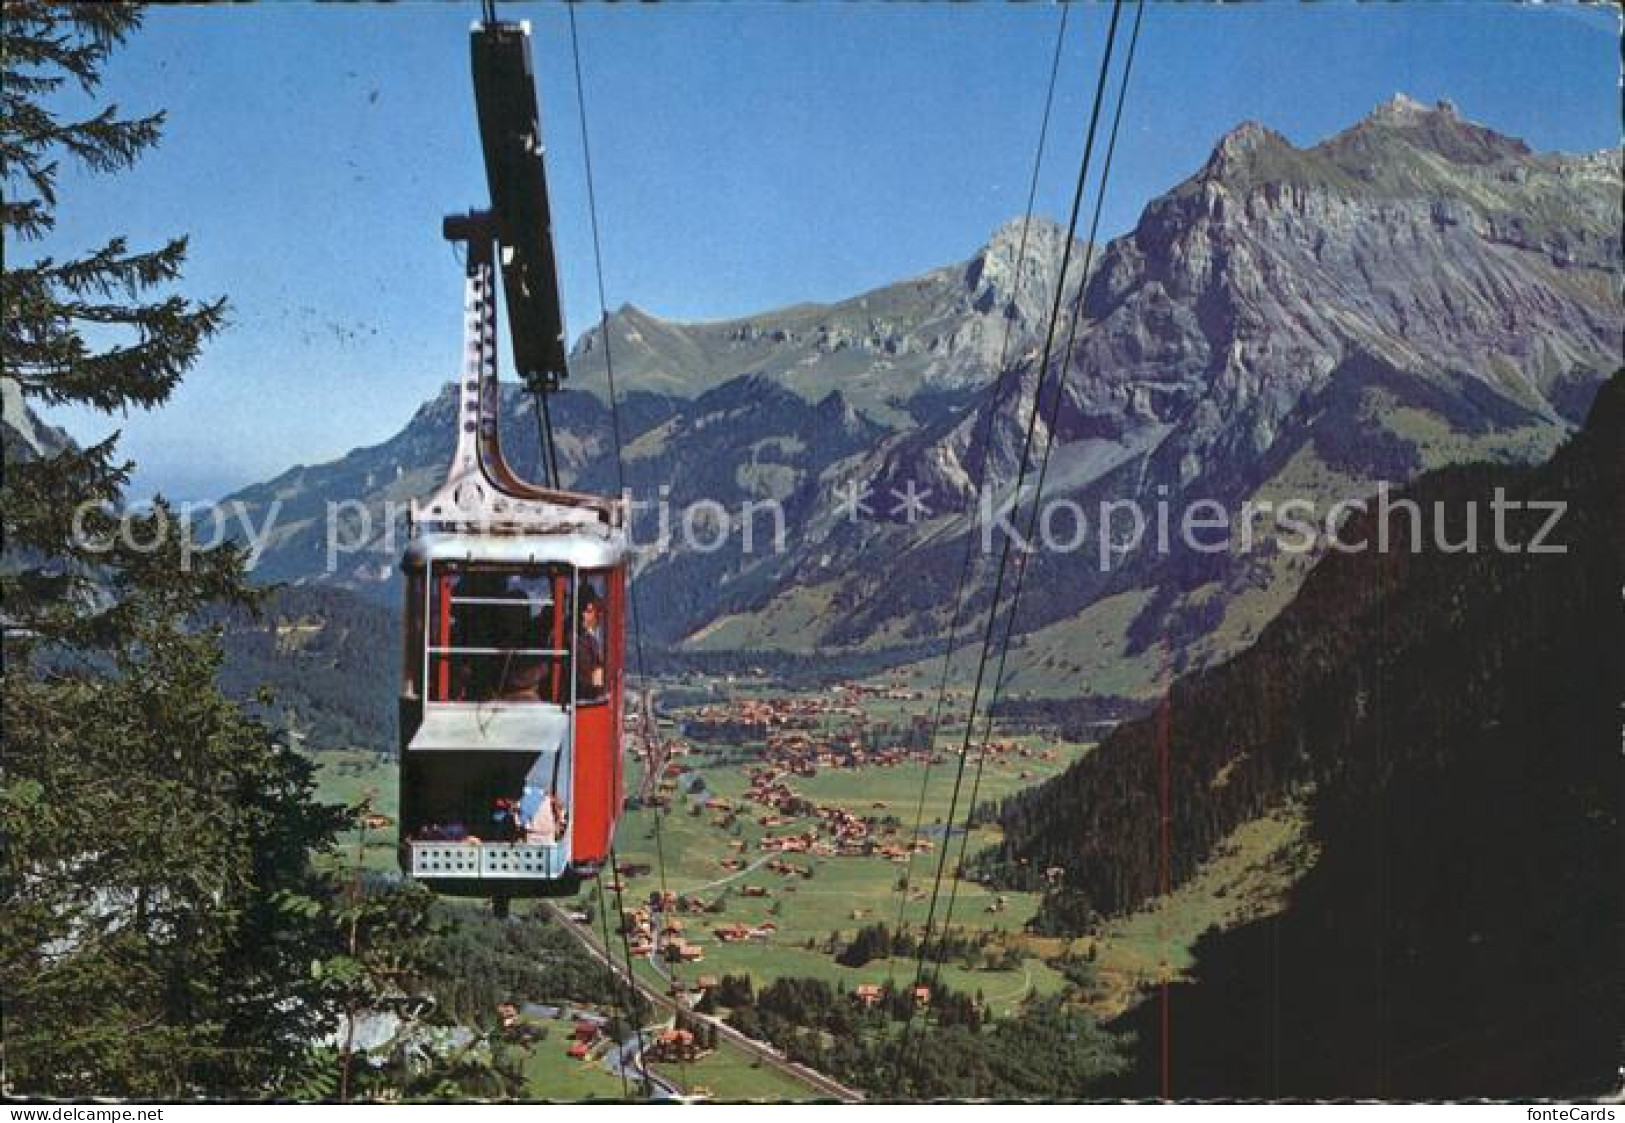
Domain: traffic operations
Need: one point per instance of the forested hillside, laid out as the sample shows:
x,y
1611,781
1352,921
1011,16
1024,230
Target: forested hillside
x,y
1456,715
1342,667
329,658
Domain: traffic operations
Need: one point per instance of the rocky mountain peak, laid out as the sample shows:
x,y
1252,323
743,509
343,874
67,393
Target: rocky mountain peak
x,y
26,436
834,413
1035,247
1404,108
1242,141
1439,129
1005,243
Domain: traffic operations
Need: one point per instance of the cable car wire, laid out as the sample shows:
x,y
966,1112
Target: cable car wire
x,y
989,413
629,1003
615,985
545,438
646,722
1025,463
1043,470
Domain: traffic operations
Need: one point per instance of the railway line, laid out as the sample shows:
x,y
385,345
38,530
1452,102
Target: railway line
x,y
825,1085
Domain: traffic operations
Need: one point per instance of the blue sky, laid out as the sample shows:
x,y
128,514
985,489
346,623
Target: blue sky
x,y
747,155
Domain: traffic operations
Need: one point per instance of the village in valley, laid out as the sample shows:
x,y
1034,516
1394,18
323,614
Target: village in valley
x,y
770,832
790,821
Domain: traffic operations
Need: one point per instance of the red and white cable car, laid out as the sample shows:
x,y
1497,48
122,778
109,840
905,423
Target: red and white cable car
x,y
512,686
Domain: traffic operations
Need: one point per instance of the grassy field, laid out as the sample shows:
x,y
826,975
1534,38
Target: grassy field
x,y
844,893
1083,653
551,1075
350,777
731,1075
1246,879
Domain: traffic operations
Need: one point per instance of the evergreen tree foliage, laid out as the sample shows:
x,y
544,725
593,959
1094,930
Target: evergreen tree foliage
x,y
154,834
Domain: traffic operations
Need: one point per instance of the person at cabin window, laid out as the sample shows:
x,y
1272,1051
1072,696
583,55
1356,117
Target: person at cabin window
x,y
522,628
479,623
542,828
537,811
590,648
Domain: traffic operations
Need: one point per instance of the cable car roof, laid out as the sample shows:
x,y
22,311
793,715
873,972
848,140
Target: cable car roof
x,y
581,549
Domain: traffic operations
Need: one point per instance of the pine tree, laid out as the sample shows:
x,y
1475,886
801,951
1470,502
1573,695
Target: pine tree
x,y
155,934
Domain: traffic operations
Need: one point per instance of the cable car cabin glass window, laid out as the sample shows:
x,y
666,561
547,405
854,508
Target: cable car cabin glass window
x,y
412,635
498,633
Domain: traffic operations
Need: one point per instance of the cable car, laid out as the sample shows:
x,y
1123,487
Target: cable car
x,y
511,691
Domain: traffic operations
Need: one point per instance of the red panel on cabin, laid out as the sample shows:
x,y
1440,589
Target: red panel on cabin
x,y
593,789
559,639
615,680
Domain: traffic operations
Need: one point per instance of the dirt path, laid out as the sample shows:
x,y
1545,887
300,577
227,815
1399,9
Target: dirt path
x,y
735,876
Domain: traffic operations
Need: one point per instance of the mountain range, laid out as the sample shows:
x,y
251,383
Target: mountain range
x,y
1450,721
1417,299
1417,290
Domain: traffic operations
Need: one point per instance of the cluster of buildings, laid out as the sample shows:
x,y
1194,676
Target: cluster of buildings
x,y
755,719
678,1045
799,735
650,930
586,1026
840,831
804,733
738,932
583,1040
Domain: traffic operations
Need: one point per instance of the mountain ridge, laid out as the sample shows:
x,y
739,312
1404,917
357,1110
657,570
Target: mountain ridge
x,y
1283,321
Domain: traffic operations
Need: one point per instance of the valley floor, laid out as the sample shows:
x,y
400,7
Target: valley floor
x,y
716,850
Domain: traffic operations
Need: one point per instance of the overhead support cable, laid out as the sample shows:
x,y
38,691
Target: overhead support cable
x,y
646,723
1023,468
1043,467
1025,462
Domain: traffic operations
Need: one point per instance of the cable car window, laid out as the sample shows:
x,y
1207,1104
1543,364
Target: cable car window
x,y
496,633
487,797
592,631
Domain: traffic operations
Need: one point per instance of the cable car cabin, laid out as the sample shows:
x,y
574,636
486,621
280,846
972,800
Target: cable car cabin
x,y
511,689
510,712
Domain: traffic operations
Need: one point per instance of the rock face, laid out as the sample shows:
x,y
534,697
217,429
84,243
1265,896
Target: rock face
x,y
1430,244
1414,291
1414,241
937,336
23,435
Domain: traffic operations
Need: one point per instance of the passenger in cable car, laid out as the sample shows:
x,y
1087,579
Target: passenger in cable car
x,y
543,827
506,826
539,813
524,676
498,636
523,680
